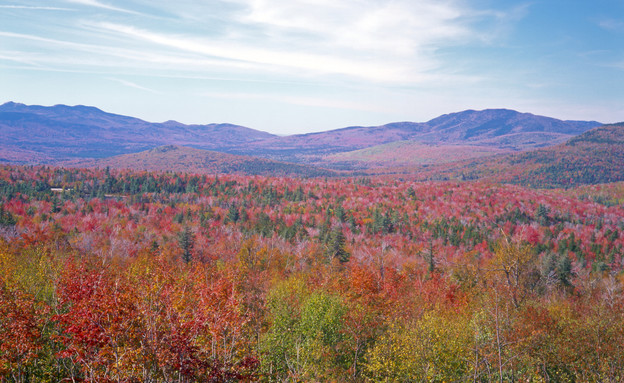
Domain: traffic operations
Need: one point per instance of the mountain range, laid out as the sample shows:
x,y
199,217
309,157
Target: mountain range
x,y
59,133
494,144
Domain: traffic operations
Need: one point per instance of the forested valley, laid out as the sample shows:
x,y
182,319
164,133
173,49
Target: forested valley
x,y
121,276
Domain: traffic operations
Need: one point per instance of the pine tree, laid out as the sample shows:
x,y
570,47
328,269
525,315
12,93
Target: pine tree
x,y
55,206
186,241
339,213
337,246
542,214
233,214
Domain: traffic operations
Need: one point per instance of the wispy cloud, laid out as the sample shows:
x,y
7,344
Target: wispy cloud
x,y
97,55
612,25
20,57
98,4
40,39
131,84
499,23
382,42
36,8
241,53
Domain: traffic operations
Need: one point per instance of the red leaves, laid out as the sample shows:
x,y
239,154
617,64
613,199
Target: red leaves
x,y
19,329
174,328
99,321
131,310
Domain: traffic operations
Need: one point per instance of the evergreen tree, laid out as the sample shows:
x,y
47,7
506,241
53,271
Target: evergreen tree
x,y
542,214
186,241
337,246
564,271
244,217
233,214
430,257
55,205
378,221
339,212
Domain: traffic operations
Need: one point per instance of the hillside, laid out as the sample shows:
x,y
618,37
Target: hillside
x,y
593,157
184,159
596,156
60,132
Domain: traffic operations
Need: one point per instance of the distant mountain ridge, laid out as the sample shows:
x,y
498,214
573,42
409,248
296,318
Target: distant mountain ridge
x,y
48,134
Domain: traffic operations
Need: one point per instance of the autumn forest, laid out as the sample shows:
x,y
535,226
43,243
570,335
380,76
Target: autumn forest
x,y
127,276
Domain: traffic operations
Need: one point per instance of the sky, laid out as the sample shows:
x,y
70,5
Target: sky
x,y
297,66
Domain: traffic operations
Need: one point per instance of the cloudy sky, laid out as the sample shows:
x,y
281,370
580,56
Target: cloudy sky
x,y
293,66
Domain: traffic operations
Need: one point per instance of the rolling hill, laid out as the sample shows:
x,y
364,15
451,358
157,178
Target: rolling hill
x,y
191,160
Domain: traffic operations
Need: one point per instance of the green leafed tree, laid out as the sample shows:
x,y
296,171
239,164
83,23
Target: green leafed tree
x,y
302,343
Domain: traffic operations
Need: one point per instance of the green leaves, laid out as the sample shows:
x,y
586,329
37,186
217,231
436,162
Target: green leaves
x,y
305,332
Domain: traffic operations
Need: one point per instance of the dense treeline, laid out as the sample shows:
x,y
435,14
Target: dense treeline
x,y
156,277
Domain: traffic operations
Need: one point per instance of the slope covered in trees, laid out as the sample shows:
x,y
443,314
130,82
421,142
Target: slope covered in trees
x,y
109,275
184,159
594,157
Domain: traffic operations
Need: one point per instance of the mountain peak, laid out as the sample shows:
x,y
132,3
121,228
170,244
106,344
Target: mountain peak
x,y
172,123
11,106
83,108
